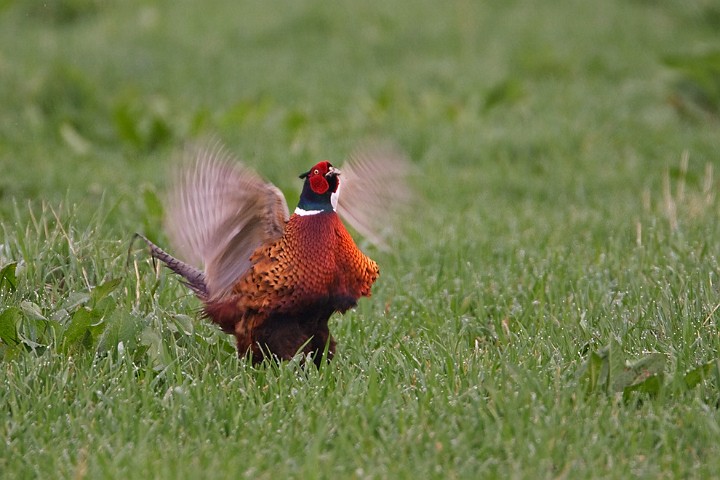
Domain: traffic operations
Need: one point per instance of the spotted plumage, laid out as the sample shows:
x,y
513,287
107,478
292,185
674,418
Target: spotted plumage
x,y
271,279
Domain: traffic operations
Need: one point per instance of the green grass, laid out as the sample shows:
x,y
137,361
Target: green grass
x,y
566,157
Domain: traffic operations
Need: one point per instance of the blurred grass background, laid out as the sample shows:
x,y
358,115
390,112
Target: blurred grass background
x,y
566,155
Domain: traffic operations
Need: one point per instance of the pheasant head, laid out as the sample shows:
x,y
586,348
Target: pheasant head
x,y
320,191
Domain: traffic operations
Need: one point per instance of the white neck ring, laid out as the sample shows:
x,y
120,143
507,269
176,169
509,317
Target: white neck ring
x,y
305,213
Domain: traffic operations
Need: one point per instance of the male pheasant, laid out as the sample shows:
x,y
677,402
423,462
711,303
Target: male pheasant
x,y
273,279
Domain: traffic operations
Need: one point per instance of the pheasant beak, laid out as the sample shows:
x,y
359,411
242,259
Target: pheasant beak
x,y
332,171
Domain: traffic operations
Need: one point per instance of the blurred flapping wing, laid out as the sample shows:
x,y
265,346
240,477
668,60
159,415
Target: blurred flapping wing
x,y
374,191
219,212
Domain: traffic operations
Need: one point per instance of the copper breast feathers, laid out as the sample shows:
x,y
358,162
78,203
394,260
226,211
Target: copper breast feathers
x,y
314,262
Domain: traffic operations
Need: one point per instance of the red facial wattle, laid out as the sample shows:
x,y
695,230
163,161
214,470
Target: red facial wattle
x,y
318,183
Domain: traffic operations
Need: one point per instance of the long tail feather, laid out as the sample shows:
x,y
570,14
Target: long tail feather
x,y
193,278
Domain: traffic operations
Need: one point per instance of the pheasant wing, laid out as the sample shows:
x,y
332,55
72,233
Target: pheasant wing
x,y
374,191
219,212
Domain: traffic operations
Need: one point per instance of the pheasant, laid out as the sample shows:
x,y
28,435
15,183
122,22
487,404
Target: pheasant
x,y
273,279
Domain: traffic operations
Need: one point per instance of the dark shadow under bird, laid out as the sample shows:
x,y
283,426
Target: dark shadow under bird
x,y
273,279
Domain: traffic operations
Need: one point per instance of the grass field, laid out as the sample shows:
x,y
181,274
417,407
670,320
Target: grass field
x,y
550,311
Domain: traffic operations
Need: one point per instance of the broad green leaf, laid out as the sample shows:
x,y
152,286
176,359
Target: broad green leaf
x,y
74,300
616,380
9,319
650,385
104,289
80,323
57,328
607,370
150,338
120,327
156,350
10,352
128,328
104,306
61,315
32,311
698,374
8,279
99,326
651,364
596,369
87,339
591,372
639,371
184,323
